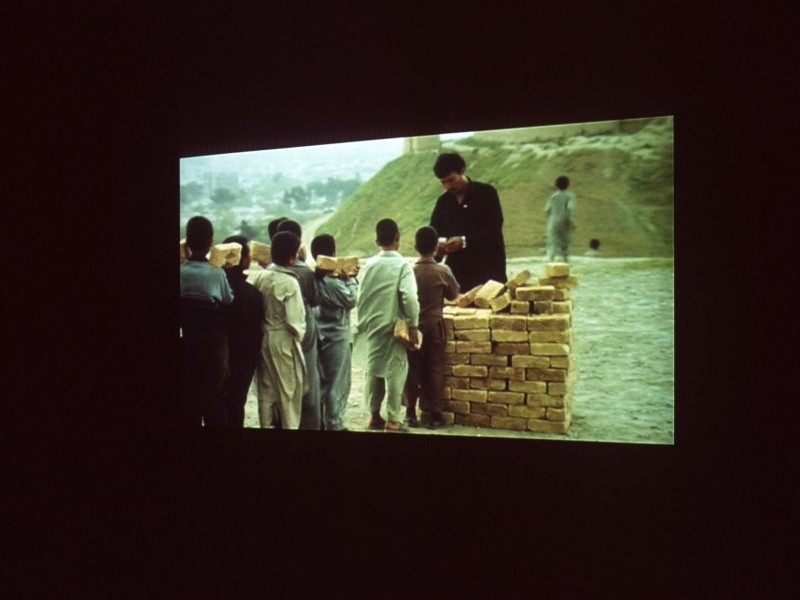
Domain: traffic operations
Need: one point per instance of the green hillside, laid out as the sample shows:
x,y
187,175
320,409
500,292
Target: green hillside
x,y
623,184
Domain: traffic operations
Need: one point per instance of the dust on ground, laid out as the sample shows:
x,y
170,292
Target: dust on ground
x,y
623,351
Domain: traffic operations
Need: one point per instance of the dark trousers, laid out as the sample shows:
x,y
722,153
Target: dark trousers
x,y
425,381
204,368
242,364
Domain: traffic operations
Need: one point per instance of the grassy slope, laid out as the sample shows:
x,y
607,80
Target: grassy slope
x,y
623,184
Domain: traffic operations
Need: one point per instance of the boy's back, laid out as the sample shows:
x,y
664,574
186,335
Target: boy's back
x,y
435,282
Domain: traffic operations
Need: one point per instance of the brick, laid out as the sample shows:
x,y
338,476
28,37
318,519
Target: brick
x,y
506,397
457,383
548,322
456,359
490,290
457,406
492,410
557,337
542,307
470,395
561,308
527,412
473,347
545,426
492,360
561,294
519,279
502,302
556,269
472,335
561,362
548,349
556,414
556,388
511,373
559,282
529,387
545,400
450,346
535,292
509,348
487,384
473,420
520,307
508,322
506,335
470,371
470,322
546,375
467,298
509,423
448,417
530,362
462,311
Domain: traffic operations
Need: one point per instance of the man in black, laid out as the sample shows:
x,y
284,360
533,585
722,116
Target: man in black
x,y
469,215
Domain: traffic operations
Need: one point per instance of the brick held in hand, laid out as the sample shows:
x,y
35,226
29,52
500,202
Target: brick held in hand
x,y
260,253
401,335
225,254
338,265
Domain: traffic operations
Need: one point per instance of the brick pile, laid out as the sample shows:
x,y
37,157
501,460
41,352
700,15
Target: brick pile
x,y
508,353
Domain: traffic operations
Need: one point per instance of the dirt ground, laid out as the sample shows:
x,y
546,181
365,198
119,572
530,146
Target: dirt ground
x,y
623,350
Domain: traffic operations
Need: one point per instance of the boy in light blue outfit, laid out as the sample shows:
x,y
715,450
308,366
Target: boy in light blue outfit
x,y
337,297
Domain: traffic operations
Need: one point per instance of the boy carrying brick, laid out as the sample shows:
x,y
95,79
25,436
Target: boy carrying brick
x,y
426,366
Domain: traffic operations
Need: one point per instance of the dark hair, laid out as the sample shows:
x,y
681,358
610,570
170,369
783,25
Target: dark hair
x,y
385,231
594,244
323,244
285,245
199,234
562,182
448,163
289,225
241,240
272,227
425,240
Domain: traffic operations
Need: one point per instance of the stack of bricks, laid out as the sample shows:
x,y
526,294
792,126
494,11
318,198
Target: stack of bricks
x,y
509,364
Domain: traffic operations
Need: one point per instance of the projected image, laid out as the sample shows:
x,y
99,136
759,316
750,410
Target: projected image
x,y
511,283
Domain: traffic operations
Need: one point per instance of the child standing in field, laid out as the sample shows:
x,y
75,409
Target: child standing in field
x,y
337,297
204,344
426,367
280,374
388,293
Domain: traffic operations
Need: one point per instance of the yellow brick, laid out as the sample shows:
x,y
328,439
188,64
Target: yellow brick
x,y
529,387
527,412
511,373
520,307
556,388
470,322
556,337
556,269
492,410
472,420
457,383
543,307
556,414
559,282
506,397
530,362
470,395
472,335
546,375
535,292
519,279
545,400
470,371
456,359
490,290
502,302
507,335
457,406
561,362
448,417
562,308
509,348
561,294
462,311
473,347
545,426
548,322
487,384
547,349
467,298
509,423
489,359
508,322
